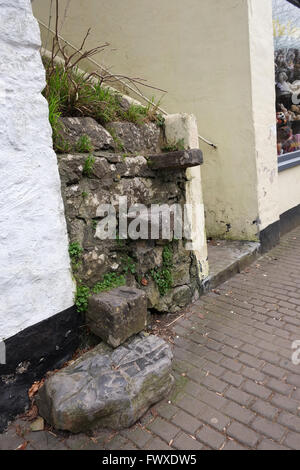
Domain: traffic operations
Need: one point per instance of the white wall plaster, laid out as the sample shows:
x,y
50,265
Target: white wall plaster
x,y
184,127
35,275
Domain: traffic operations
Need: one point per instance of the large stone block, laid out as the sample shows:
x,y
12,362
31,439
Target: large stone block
x,y
108,388
117,315
75,127
137,138
181,159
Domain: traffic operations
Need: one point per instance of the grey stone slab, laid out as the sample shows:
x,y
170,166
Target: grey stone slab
x,y
136,138
73,128
180,159
108,388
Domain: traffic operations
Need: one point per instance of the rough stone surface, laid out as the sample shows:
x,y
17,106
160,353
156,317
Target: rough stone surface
x,y
137,138
117,315
108,388
75,127
181,159
112,176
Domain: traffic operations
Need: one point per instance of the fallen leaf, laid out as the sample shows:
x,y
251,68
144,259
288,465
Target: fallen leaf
x,y
22,446
19,431
35,388
215,291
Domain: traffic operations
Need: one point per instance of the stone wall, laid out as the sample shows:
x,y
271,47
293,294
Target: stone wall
x,y
115,174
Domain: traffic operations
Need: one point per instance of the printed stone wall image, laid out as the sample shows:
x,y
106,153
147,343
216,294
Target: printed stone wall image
x,y
124,272
163,267
113,385
137,156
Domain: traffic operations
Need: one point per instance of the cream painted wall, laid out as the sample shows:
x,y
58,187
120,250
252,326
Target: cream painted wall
x,y
289,189
215,60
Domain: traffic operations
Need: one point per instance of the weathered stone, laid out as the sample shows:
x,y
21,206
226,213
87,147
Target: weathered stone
x,y
75,127
37,424
108,388
156,222
143,138
113,175
147,191
181,159
117,315
175,299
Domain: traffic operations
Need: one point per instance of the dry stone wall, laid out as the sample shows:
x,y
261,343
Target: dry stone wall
x,y
112,175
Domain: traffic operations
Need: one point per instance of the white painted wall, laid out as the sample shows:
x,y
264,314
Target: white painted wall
x,y
263,109
35,276
184,127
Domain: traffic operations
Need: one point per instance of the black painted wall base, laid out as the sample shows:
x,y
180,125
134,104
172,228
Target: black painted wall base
x,y
30,354
289,220
269,237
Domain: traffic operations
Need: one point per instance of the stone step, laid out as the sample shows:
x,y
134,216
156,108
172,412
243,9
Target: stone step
x,y
179,160
117,315
108,388
227,258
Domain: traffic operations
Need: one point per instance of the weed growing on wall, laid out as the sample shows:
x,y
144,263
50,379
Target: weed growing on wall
x,y
88,166
174,147
128,265
84,145
82,298
74,93
110,281
163,276
75,252
136,114
118,143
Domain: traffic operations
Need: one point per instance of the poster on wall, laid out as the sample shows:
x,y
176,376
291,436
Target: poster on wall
x,y
286,25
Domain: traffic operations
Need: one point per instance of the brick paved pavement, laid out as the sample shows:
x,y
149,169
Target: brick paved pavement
x,y
236,385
